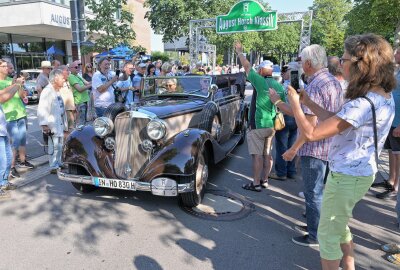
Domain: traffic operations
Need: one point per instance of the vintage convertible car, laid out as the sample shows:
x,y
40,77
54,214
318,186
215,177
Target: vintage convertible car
x,y
164,144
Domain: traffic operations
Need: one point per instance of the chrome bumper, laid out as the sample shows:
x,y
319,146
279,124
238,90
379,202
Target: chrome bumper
x,y
162,186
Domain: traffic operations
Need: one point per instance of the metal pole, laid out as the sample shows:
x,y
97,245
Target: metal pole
x,y
78,42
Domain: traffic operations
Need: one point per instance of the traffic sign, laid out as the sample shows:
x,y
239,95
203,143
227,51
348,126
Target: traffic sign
x,y
247,16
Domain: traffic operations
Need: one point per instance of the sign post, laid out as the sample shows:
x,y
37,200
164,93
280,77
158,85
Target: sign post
x,y
246,16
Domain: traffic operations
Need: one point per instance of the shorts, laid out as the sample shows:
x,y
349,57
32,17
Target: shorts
x,y
341,194
392,143
259,141
71,118
17,131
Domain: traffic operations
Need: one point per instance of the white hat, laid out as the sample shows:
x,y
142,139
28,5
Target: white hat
x,y
265,64
142,65
293,66
45,64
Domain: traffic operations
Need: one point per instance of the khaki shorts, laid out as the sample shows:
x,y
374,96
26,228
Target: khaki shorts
x,y
259,141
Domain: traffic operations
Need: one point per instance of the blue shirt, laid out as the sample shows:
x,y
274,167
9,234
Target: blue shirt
x,y
396,97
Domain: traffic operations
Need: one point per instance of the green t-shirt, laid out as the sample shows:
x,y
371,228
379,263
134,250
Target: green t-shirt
x,y
265,110
14,108
79,97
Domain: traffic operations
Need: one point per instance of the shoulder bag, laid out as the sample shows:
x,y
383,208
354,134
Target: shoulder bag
x,y
279,122
375,131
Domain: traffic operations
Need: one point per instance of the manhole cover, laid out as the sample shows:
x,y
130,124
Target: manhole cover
x,y
221,205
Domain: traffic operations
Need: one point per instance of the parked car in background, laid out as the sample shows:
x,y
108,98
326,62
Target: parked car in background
x,y
276,73
165,144
33,73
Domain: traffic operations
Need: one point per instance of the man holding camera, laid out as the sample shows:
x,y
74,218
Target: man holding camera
x,y
260,139
103,86
80,91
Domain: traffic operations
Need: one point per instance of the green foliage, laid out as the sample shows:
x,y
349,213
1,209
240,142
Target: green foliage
x,y
160,55
139,48
171,18
103,24
329,26
220,59
374,16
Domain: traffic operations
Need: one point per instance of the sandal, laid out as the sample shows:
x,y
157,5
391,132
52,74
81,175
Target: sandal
x,y
393,258
252,187
264,183
391,248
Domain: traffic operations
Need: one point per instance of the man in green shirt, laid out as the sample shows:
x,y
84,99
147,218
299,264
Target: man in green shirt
x,y
80,89
259,140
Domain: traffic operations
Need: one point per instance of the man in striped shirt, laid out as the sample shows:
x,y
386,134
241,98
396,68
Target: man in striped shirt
x,y
325,90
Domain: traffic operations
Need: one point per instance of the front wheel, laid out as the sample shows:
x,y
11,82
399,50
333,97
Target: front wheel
x,y
77,170
194,198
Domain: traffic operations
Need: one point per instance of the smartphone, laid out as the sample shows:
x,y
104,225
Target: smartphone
x,y
142,53
295,79
117,72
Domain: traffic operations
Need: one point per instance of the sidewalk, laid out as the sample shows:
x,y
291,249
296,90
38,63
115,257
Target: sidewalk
x,y
41,169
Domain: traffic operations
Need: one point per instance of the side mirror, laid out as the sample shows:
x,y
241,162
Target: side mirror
x,y
213,88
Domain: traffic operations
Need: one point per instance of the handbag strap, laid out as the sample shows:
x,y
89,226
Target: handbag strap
x,y
268,87
374,127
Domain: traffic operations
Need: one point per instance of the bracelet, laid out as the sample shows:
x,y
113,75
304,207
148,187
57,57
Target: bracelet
x,y
277,102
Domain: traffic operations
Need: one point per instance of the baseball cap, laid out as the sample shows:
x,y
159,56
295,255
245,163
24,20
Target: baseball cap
x,y
293,66
142,65
265,64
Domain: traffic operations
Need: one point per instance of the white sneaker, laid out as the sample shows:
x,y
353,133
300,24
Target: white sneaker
x,y
301,194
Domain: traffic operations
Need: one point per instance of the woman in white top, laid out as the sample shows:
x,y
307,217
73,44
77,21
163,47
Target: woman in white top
x,y
52,117
368,67
102,86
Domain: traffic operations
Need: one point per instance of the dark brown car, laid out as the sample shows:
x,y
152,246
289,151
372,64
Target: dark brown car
x,y
166,143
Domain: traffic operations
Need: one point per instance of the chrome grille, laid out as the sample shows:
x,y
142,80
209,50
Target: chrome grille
x,y
129,166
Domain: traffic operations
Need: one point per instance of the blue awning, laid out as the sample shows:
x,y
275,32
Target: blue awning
x,y
53,50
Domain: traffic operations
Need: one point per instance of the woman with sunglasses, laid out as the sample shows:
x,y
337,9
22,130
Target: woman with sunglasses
x,y
88,72
368,67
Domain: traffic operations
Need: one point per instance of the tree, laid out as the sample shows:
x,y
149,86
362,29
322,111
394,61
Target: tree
x,y
160,55
374,16
103,23
328,26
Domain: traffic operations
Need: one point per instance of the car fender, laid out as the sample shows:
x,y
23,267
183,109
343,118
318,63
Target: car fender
x,y
179,155
84,148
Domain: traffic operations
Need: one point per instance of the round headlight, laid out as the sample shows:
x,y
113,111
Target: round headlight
x,y
156,129
103,126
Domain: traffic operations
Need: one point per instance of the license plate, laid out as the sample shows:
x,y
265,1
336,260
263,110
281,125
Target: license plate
x,y
114,183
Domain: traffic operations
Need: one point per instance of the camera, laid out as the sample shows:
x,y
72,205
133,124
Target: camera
x,y
295,79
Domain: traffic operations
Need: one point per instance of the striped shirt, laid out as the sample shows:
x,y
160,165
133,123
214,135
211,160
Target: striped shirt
x,y
325,90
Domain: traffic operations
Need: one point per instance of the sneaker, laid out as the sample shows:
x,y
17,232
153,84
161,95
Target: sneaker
x,y
301,194
14,173
4,195
386,195
264,183
9,186
301,229
305,241
26,164
277,177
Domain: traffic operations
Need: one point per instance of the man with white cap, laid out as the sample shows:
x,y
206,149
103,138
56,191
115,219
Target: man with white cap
x,y
43,79
259,139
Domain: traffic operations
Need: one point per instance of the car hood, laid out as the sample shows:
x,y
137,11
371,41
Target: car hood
x,y
165,108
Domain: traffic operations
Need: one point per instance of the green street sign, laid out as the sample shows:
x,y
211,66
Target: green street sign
x,y
247,16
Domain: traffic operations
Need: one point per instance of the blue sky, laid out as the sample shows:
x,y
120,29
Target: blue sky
x,y
283,6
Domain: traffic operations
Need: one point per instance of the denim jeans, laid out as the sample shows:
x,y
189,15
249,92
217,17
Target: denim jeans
x,y
284,139
100,111
82,111
17,131
5,159
55,151
313,172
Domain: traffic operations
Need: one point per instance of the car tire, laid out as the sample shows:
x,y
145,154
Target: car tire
x,y
243,132
209,120
113,110
84,188
195,197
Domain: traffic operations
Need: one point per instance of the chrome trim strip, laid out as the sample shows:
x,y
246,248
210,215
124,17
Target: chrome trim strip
x,y
141,186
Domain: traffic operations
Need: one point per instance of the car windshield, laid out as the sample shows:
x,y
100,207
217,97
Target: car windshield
x,y
185,85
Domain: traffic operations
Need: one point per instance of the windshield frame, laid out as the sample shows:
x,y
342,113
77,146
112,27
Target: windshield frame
x,y
142,91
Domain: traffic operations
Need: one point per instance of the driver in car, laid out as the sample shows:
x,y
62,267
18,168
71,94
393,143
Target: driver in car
x,y
170,85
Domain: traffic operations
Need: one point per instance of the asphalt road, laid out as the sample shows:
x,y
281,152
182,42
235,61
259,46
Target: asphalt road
x,y
49,225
